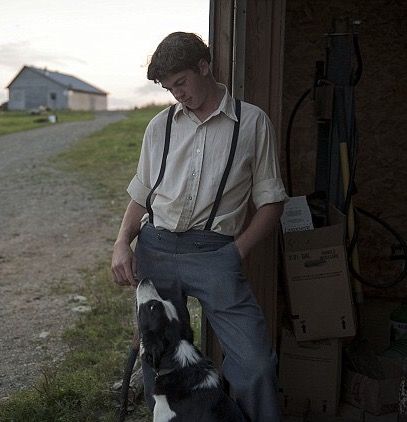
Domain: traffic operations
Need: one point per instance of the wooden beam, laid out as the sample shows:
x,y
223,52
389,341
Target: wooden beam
x,y
221,33
263,87
265,57
239,49
257,74
221,40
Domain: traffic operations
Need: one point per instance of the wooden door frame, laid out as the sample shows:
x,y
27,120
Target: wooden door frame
x,y
247,44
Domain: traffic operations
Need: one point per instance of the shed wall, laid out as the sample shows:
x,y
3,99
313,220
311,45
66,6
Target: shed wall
x,y
31,90
380,111
85,101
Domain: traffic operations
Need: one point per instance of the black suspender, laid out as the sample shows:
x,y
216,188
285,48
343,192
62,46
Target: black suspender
x,y
163,162
219,193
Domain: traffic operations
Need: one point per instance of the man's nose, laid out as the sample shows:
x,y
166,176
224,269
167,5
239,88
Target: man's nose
x,y
178,94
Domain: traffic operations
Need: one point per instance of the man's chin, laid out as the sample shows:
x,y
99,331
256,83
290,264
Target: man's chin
x,y
188,103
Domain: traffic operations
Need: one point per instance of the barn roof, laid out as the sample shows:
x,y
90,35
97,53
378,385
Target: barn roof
x,y
67,81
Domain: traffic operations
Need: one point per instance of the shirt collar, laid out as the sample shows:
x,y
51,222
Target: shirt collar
x,y
226,106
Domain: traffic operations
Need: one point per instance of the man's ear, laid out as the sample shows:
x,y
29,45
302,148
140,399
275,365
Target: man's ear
x,y
203,66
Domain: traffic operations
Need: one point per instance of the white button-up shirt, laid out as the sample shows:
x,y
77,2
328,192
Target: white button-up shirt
x,y
196,160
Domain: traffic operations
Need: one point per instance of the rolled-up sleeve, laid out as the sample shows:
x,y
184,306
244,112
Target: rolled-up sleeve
x,y
268,186
268,192
138,191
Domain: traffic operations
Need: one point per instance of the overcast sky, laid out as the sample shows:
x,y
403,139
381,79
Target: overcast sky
x,y
104,42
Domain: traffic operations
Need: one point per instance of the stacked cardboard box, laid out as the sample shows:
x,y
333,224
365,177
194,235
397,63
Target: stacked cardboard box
x,y
322,313
377,395
310,375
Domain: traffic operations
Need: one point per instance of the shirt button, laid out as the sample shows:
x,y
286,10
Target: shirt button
x,y
190,197
198,151
193,174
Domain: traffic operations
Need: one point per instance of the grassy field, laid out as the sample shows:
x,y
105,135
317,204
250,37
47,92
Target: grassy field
x,y
80,388
107,159
17,121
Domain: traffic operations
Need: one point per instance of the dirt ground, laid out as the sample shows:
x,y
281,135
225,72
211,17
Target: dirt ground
x,y
51,228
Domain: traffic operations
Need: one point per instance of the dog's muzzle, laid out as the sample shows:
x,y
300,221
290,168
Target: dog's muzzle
x,y
146,292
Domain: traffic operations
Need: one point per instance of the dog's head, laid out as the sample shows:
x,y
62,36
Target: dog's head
x,y
159,324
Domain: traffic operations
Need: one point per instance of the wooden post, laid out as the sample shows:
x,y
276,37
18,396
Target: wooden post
x,y
221,40
259,78
221,22
263,87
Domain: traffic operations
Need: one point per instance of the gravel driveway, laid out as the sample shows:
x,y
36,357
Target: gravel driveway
x,y
50,228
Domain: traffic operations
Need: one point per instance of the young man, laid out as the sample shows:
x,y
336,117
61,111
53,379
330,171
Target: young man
x,y
190,231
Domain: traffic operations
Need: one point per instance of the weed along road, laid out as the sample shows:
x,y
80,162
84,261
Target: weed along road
x,y
51,228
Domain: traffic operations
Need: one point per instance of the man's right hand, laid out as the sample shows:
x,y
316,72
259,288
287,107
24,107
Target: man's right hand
x,y
123,265
123,260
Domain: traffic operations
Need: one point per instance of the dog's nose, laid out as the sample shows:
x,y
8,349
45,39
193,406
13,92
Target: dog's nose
x,y
145,283
146,291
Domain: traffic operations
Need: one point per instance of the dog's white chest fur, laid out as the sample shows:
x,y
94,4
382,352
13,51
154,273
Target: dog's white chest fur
x,y
162,410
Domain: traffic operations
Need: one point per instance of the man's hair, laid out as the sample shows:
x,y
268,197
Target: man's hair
x,y
177,52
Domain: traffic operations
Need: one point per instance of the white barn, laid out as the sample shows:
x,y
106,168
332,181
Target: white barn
x,y
33,87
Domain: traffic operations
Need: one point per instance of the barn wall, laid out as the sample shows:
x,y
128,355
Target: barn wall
x,y
381,110
85,101
31,90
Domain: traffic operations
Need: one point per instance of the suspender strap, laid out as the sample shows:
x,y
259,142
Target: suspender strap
x,y
219,194
163,162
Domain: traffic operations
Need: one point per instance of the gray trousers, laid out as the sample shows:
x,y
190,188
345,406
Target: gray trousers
x,y
207,265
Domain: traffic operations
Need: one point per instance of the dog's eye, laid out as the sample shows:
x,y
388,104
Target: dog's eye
x,y
152,307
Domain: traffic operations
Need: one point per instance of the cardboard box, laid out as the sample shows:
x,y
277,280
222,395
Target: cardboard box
x,y
377,396
310,375
318,283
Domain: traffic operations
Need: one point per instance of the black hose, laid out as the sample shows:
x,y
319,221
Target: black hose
x,y
288,140
358,73
353,243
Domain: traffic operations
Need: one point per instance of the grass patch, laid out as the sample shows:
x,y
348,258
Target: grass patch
x,y
108,159
18,121
79,389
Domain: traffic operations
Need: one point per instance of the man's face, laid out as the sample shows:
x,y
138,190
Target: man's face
x,y
187,87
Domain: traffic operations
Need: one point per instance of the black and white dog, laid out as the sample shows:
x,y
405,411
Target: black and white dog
x,y
187,387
